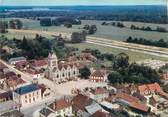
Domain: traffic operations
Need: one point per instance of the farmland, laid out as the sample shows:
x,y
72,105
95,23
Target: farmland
x,y
134,56
108,32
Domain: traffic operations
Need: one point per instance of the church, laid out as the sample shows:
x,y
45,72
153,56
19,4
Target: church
x,y
60,71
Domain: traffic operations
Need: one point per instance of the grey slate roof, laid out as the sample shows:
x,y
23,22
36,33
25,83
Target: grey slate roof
x,y
27,89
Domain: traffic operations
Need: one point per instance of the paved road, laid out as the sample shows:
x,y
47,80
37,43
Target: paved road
x,y
151,50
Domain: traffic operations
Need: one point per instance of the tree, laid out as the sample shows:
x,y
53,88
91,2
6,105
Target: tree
x,y
85,72
68,25
78,37
45,22
92,29
15,24
115,77
3,26
121,61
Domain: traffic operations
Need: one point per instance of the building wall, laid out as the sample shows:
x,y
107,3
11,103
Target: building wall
x,y
27,98
63,112
54,73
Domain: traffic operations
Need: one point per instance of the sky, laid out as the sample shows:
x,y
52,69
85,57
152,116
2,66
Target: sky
x,y
80,2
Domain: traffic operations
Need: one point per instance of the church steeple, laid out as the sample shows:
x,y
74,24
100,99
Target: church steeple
x,y
52,60
52,55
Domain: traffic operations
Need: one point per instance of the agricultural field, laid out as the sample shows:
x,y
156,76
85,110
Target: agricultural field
x,y
134,56
108,32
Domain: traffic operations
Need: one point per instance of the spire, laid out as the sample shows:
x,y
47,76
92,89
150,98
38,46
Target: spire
x,y
52,54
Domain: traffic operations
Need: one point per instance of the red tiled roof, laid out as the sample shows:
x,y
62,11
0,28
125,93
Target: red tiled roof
x,y
100,114
39,63
60,104
14,81
80,101
6,95
127,97
21,63
99,91
139,106
98,73
150,87
10,74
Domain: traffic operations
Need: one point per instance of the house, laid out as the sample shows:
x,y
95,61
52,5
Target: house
x,y
46,112
22,65
61,108
149,89
158,101
132,102
98,76
2,78
39,64
13,61
93,108
35,73
79,102
101,114
140,97
6,96
98,94
45,92
87,56
14,82
110,106
27,94
13,113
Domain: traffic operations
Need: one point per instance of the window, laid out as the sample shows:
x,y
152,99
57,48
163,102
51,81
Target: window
x,y
37,93
33,99
29,95
74,72
25,96
25,101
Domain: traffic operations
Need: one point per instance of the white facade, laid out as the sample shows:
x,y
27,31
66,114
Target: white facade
x,y
59,72
64,112
27,98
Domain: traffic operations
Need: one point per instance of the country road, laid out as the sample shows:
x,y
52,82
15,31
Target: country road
x,y
150,50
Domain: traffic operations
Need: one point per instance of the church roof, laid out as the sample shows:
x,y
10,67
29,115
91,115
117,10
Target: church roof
x,y
52,55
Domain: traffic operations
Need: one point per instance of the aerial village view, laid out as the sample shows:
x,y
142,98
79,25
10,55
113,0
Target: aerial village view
x,y
83,58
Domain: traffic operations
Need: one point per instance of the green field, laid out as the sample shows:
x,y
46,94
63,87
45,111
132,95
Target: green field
x,y
108,32
134,56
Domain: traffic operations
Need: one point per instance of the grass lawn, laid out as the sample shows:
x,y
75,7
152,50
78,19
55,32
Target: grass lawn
x,y
134,56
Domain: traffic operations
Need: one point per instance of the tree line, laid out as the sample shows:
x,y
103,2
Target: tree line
x,y
13,24
66,21
148,13
148,28
158,43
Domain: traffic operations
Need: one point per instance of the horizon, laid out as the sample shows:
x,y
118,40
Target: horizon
x,y
81,3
